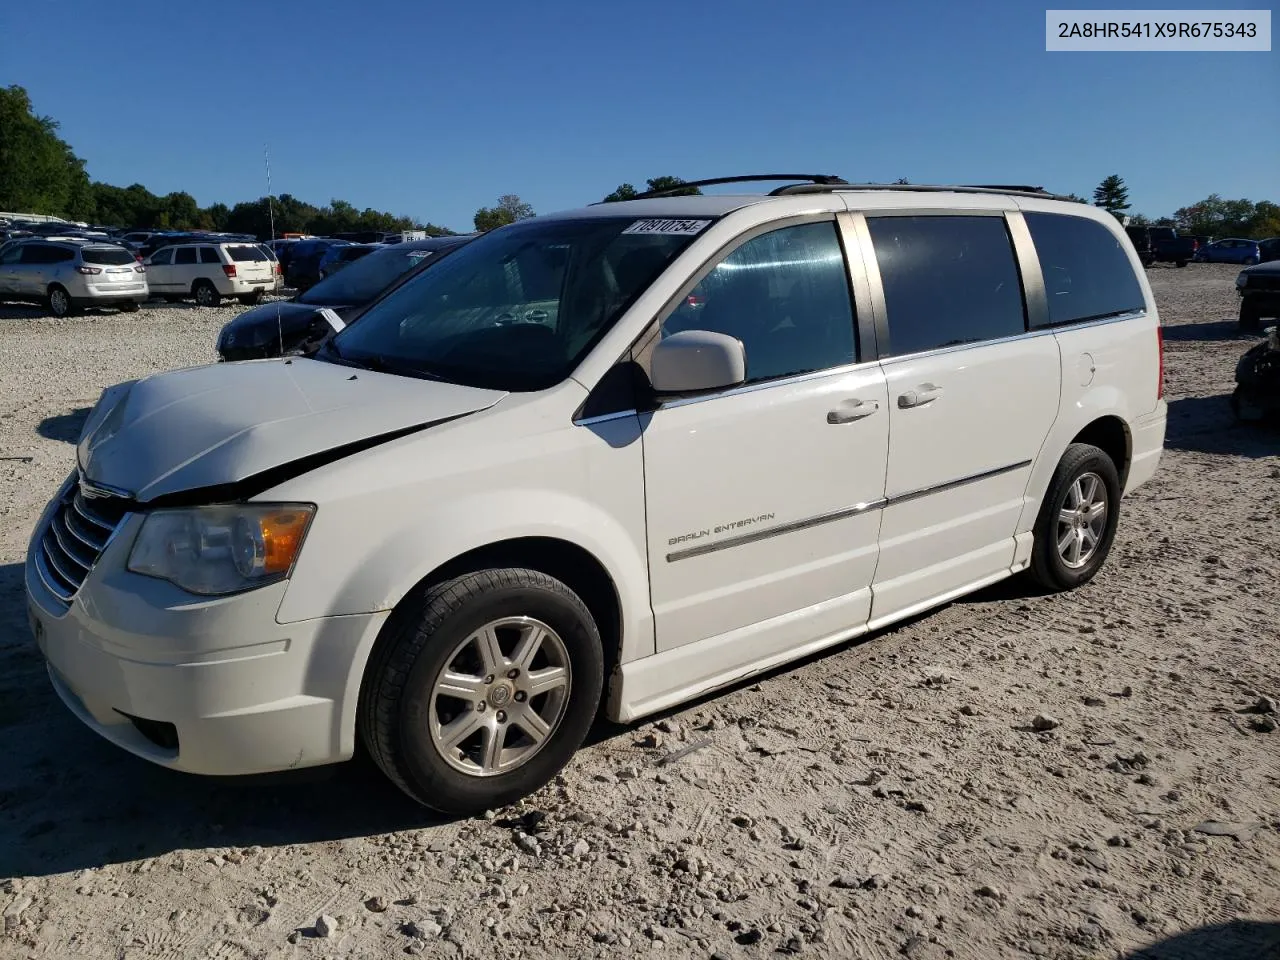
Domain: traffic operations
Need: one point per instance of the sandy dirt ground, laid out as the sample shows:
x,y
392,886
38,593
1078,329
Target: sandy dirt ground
x,y
888,799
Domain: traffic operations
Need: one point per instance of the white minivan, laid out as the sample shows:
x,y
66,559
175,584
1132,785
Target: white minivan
x,y
615,457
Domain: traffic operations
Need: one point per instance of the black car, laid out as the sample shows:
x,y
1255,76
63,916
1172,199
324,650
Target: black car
x,y
302,268
287,326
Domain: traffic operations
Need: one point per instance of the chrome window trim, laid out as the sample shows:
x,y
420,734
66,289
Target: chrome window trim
x,y
765,385
604,418
841,514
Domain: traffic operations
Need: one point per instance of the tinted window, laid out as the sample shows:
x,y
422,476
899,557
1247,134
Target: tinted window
x,y
1087,273
246,254
110,256
948,280
184,255
162,257
12,255
209,255
785,295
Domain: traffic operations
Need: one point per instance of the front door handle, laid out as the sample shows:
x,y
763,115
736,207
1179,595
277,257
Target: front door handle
x,y
925,393
850,410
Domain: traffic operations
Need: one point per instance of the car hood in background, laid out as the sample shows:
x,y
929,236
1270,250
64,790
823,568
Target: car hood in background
x,y
225,423
1268,267
265,323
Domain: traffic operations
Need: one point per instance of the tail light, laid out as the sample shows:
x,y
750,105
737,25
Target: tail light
x,y
229,269
139,268
1160,374
279,270
89,271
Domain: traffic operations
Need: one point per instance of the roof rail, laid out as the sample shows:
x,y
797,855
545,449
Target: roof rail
x,y
1022,191
812,179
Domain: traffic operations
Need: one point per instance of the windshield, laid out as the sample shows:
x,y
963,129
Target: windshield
x,y
366,278
518,308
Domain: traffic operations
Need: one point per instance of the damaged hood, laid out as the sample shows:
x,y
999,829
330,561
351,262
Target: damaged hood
x,y
225,423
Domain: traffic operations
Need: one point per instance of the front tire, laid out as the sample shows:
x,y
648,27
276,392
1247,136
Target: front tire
x,y
1250,316
1078,519
481,688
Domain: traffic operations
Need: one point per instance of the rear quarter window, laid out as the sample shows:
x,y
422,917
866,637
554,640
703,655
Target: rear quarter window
x,y
246,254
209,255
1087,273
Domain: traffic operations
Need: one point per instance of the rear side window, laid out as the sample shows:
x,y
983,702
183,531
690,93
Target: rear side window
x,y
948,280
785,295
162,257
209,255
184,255
1087,273
246,254
107,256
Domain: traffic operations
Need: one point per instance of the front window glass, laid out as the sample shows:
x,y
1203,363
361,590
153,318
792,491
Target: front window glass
x,y
517,308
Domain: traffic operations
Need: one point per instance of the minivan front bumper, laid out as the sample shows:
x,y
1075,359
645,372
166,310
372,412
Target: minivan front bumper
x,y
199,684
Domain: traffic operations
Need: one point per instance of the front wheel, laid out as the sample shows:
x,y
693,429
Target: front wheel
x,y
1182,263
481,688
1078,519
1250,316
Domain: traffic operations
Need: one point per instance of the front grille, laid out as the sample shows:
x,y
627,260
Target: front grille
x,y
1263,281
78,532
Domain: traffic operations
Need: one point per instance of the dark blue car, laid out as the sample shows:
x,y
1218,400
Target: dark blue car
x,y
1230,250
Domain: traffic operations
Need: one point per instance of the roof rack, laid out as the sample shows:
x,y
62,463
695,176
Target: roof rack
x,y
810,179
1010,190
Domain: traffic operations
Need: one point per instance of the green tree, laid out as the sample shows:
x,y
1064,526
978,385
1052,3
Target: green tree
x,y
902,182
625,191
509,209
1076,197
39,172
1112,195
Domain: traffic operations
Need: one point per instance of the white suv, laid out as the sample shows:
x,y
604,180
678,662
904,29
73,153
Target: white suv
x,y
68,274
622,455
210,271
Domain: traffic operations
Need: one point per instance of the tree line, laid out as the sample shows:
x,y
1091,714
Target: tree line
x,y
40,173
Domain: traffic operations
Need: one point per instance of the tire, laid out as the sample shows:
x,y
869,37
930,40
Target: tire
x,y
1182,263
1251,261
403,716
1053,568
59,301
206,294
250,299
130,307
1250,316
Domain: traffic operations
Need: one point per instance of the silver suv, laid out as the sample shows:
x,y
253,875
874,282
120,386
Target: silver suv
x,y
70,274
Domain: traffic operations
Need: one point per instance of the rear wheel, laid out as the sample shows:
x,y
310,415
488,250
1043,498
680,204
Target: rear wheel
x,y
60,304
249,299
129,307
1078,519
1182,263
206,294
481,689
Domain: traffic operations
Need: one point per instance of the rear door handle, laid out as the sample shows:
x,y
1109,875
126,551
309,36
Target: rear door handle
x,y
925,393
850,410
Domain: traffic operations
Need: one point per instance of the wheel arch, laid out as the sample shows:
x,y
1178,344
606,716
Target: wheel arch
x,y
570,563
1111,435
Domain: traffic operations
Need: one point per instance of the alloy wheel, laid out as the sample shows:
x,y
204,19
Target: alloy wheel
x,y
1082,520
500,696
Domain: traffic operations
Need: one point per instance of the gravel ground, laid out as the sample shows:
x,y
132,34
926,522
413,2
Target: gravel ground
x,y
892,798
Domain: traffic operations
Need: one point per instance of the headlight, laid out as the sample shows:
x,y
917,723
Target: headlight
x,y
221,549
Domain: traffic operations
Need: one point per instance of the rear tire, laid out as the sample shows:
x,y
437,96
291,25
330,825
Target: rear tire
x,y
129,307
59,301
409,711
206,294
250,299
1182,263
1072,536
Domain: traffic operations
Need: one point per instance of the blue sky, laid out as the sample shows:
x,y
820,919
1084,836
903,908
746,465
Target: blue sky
x,y
433,110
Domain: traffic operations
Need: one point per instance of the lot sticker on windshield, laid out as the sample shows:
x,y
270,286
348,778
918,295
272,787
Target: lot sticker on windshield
x,y
680,228
416,255
332,318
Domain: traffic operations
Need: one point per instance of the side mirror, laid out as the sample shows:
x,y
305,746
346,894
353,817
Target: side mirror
x,y
694,361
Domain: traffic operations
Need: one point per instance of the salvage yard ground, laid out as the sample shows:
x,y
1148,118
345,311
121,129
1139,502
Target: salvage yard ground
x,y
892,798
